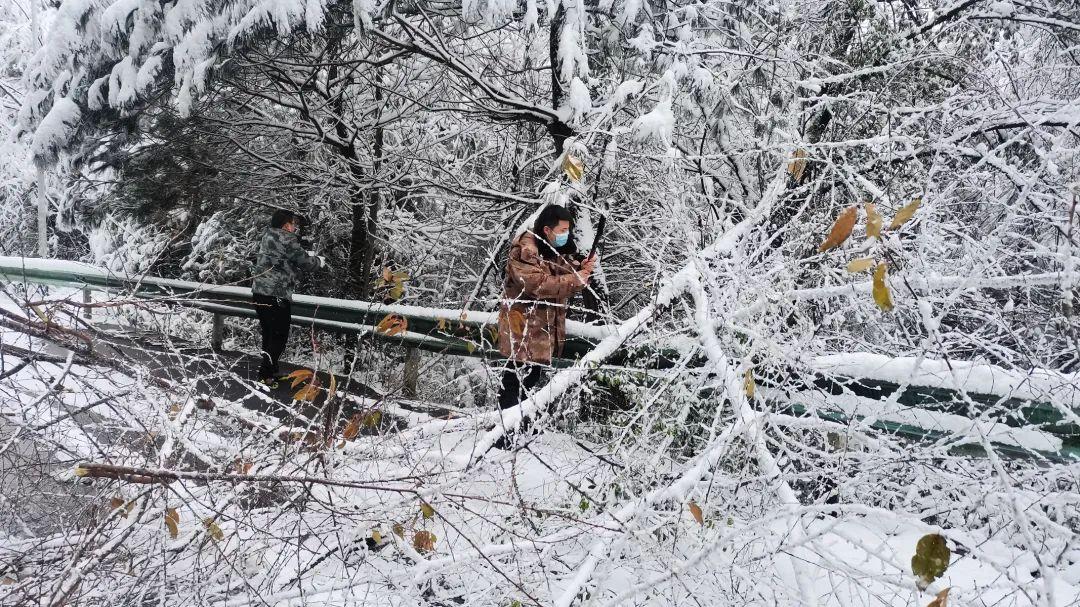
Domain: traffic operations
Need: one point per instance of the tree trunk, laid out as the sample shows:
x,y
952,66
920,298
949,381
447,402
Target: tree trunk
x,y
558,129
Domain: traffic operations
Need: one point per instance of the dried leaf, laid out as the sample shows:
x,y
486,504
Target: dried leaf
x,y
860,265
424,541
332,391
798,165
470,347
882,297
574,167
695,511
748,383
442,324
517,322
307,393
426,510
115,503
906,213
299,376
243,466
841,229
213,529
377,536
387,275
941,600
392,324
174,411
873,221
352,429
398,530
172,521
80,471
931,559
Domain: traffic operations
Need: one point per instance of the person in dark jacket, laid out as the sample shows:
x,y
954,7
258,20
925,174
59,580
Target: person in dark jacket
x,y
540,279
280,260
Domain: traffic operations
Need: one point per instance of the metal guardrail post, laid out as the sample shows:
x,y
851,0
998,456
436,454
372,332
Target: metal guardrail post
x,y
87,312
217,333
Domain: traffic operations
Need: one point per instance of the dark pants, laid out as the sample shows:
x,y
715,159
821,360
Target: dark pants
x,y
275,314
518,381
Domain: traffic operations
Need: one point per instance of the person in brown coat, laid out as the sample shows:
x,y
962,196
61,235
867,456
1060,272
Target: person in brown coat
x,y
540,279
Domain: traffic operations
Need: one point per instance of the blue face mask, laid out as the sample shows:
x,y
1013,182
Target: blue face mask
x,y
561,239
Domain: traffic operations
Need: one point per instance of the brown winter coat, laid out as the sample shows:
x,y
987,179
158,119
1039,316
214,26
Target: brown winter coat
x,y
532,314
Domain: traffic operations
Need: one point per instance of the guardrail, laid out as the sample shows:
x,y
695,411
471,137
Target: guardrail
x,y
471,333
443,330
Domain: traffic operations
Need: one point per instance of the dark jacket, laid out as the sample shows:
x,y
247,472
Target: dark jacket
x,y
532,314
279,262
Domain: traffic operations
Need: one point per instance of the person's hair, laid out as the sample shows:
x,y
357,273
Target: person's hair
x,y
549,217
281,217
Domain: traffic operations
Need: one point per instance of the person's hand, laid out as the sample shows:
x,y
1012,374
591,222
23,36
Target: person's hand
x,y
587,267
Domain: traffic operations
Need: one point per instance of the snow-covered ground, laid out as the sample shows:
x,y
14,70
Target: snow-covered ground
x,y
577,515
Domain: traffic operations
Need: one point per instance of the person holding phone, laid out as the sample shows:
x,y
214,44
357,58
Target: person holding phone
x,y
281,258
541,277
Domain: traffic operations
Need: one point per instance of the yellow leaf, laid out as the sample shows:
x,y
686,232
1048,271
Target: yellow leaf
x,y
41,316
493,334
424,541
371,419
352,429
906,213
307,393
748,383
398,530
798,165
213,529
174,411
931,559
882,297
80,471
387,275
574,167
397,291
860,265
299,376
172,521
470,347
941,600
426,510
873,221
695,511
841,229
375,535
442,324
